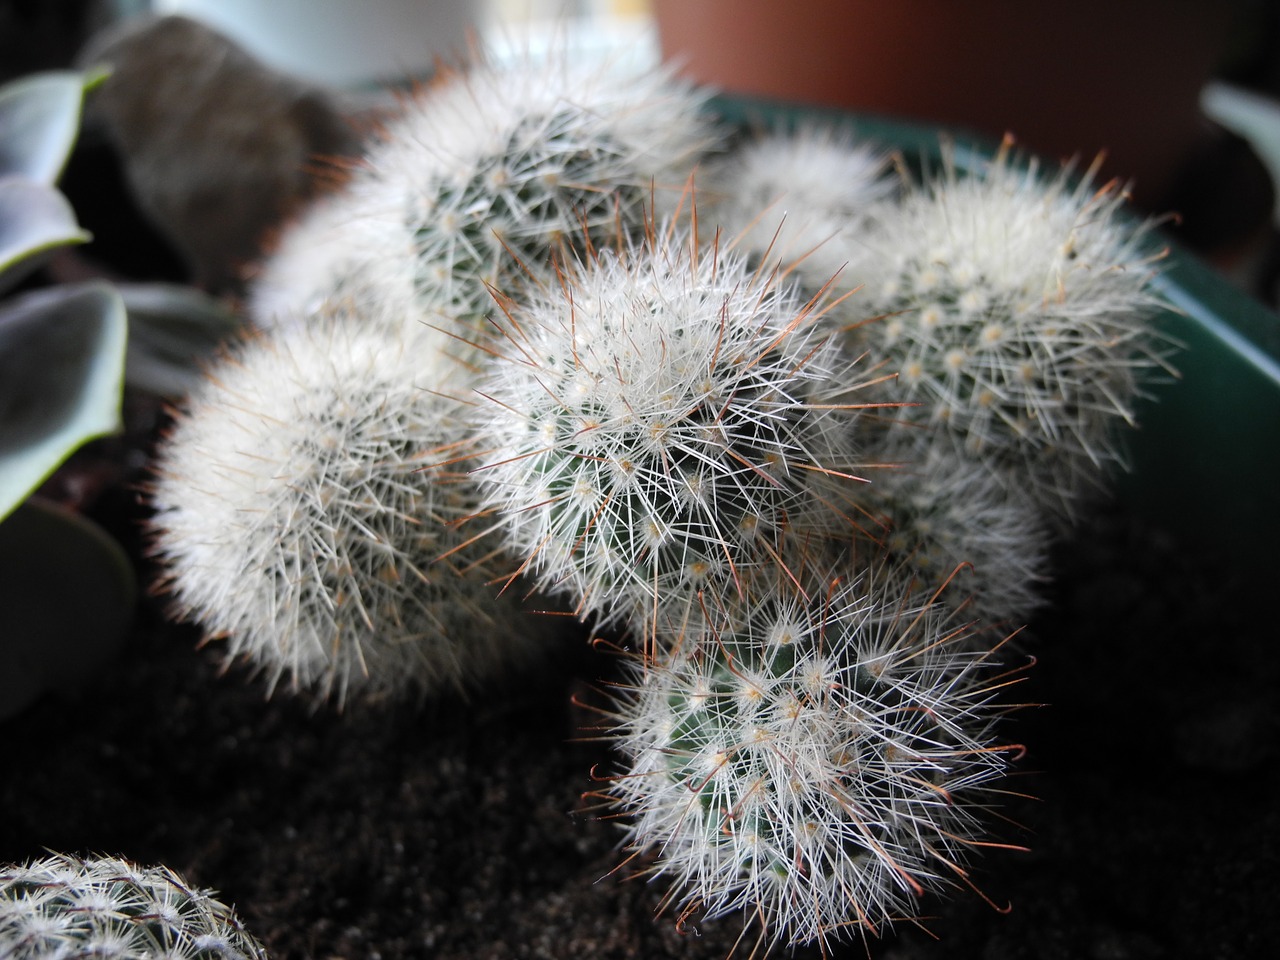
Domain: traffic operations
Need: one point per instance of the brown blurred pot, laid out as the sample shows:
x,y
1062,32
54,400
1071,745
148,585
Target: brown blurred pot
x,y
1064,78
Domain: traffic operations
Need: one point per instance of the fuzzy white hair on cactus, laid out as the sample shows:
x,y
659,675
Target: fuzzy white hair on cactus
x,y
657,416
64,906
491,169
800,198
945,519
335,257
817,764
1018,316
296,518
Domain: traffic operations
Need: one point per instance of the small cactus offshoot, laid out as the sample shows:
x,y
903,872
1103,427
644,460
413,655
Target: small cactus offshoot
x,y
799,199
63,907
948,519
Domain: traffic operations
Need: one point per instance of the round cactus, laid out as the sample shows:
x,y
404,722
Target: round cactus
x,y
659,416
799,199
325,261
1017,316
947,524
490,170
817,763
296,516
64,907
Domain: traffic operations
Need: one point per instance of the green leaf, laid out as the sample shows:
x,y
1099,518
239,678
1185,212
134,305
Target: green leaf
x,y
173,330
66,602
35,220
61,375
39,120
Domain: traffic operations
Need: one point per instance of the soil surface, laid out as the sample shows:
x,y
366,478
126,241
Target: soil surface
x,y
459,829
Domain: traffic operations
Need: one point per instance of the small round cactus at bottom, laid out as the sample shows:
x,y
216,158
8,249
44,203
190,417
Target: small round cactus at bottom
x,y
63,907
296,516
817,764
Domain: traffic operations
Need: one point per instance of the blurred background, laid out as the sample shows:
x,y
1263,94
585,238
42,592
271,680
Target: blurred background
x,y
1182,95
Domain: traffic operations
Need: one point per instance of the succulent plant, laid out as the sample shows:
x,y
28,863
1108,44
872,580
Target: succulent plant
x,y
487,359
799,198
945,519
296,516
1017,317
63,907
658,416
484,175
816,763
66,354
62,351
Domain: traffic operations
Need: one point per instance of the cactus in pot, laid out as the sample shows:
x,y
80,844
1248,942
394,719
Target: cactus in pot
x,y
296,515
1017,315
483,365
817,762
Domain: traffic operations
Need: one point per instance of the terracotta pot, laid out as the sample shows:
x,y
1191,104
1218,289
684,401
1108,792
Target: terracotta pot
x,y
1117,75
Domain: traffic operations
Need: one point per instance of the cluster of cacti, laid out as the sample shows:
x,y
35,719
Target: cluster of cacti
x,y
807,458
66,907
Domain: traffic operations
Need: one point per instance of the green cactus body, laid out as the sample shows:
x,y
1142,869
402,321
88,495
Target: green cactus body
x,y
479,180
494,169
550,186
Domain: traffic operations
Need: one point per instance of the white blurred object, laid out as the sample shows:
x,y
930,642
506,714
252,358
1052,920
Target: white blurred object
x,y
621,30
1252,116
342,42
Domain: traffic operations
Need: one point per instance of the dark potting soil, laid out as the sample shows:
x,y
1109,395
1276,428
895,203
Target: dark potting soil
x,y
459,829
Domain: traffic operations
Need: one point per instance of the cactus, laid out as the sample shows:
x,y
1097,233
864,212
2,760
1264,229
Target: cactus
x,y
798,199
295,516
670,433
818,764
948,519
489,171
64,907
318,263
1018,319
660,414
